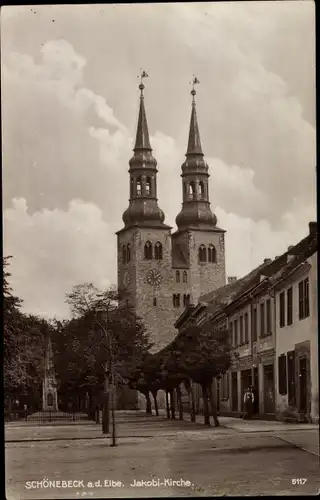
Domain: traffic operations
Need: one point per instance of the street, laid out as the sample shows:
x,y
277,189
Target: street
x,y
156,457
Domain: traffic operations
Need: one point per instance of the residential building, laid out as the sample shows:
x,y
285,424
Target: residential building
x,y
297,368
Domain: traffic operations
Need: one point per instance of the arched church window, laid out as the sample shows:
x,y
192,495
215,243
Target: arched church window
x,y
128,252
148,250
212,254
176,300
202,253
124,254
185,190
185,277
201,190
148,186
186,300
139,186
178,276
50,399
158,251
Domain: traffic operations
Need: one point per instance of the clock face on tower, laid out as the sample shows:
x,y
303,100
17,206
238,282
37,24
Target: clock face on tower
x,y
154,277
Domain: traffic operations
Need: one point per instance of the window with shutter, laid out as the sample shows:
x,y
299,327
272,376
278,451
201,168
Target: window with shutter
x,y
306,298
291,377
289,306
282,374
282,310
236,332
254,324
246,328
269,322
262,320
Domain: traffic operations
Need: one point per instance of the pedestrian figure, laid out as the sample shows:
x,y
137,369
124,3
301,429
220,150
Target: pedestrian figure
x,y
248,400
25,409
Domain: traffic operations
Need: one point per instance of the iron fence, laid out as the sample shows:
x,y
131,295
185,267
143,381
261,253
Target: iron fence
x,y
42,417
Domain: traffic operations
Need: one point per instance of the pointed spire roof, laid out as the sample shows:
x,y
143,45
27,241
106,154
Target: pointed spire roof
x,y
194,143
142,137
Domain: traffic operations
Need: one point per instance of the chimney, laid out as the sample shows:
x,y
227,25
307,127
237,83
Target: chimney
x,y
267,261
232,279
313,228
290,247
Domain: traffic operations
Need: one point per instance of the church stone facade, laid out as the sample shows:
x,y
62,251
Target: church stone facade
x,y
160,271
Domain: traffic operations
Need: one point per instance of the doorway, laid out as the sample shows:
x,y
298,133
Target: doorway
x,y
255,386
234,391
246,381
303,390
268,375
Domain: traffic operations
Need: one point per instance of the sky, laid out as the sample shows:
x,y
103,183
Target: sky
x,y
69,111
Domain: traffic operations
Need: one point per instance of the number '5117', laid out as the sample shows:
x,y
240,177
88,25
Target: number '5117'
x,y
299,480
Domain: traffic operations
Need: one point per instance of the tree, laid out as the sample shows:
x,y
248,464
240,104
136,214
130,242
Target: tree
x,y
82,345
201,354
23,346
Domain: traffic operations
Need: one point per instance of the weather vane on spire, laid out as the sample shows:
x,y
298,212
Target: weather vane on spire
x,y
194,82
143,74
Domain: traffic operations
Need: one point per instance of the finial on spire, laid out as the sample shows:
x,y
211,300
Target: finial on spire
x,y
193,91
143,74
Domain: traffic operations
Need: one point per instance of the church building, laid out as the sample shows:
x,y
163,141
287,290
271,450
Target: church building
x,y
160,271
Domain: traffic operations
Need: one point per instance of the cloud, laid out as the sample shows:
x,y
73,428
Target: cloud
x,y
54,250
70,103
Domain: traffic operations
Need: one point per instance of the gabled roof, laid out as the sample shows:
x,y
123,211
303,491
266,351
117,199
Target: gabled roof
x,y
300,252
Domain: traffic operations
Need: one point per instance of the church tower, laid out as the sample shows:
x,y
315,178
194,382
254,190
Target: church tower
x,y
198,238
144,243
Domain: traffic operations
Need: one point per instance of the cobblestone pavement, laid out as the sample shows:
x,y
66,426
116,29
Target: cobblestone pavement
x,y
215,461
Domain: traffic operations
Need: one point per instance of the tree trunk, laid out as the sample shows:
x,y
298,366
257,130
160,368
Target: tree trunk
x,y
98,414
192,405
148,409
167,404
213,406
172,401
180,406
154,394
205,404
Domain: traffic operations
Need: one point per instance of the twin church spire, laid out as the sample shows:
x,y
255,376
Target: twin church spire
x,y
143,207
